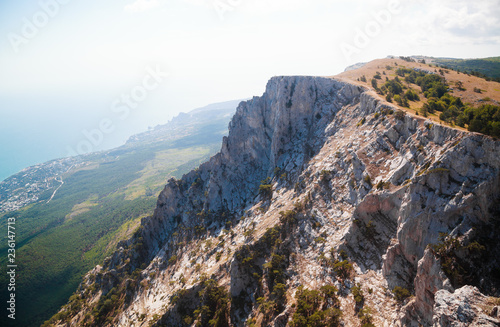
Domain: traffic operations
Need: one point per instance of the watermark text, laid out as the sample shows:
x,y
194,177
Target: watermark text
x,y
224,6
11,267
32,26
121,107
372,29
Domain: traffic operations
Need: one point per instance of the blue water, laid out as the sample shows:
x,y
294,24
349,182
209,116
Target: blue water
x,y
35,129
31,131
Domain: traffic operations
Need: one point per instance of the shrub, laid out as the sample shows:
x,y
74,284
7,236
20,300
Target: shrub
x,y
365,317
188,320
343,269
266,190
398,99
325,175
267,307
368,180
381,185
460,85
342,254
400,293
438,170
172,260
458,270
279,293
316,308
371,229
400,114
393,87
288,217
214,309
412,95
357,292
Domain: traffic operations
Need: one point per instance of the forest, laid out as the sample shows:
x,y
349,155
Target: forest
x,y
97,206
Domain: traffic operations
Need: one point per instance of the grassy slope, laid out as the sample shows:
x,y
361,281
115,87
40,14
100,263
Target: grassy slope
x,y
58,242
490,89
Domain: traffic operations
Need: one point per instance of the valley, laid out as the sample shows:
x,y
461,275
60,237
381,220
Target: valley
x,y
65,229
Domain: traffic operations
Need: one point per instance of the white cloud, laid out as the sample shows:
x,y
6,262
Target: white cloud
x,y
449,22
141,5
462,17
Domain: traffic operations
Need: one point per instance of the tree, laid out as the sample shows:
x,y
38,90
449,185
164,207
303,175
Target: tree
x,y
412,95
400,114
266,189
398,99
394,86
400,293
460,85
317,308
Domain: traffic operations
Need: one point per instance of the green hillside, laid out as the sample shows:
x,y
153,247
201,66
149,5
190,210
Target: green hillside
x,y
100,203
489,67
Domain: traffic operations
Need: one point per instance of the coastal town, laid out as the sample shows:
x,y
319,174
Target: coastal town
x,y
35,183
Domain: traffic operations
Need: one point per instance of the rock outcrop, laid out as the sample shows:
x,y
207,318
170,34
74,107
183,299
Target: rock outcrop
x,y
464,307
316,176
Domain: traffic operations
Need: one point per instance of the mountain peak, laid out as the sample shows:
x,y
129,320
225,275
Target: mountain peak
x,y
323,196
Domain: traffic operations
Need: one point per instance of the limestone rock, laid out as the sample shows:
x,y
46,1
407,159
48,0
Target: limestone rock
x,y
362,185
461,308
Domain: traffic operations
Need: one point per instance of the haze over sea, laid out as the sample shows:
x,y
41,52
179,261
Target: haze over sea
x,y
36,129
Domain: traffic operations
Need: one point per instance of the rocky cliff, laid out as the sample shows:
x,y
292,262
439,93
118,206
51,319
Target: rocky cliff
x,y
323,199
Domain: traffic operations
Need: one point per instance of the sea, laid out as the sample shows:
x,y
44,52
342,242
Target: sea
x,y
34,130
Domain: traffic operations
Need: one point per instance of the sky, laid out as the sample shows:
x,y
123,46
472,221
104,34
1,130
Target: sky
x,y
79,76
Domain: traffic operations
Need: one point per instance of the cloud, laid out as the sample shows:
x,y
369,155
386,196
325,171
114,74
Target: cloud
x,y
141,5
465,18
450,22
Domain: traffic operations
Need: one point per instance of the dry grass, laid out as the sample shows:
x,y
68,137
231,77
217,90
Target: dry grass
x,y
494,301
83,207
489,90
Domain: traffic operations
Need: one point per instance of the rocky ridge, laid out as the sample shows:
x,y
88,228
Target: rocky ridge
x,y
314,174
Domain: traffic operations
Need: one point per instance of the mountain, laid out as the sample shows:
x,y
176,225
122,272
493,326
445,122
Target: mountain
x,y
327,205
70,213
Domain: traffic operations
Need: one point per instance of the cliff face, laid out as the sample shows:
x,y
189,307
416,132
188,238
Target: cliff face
x,y
282,128
342,179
